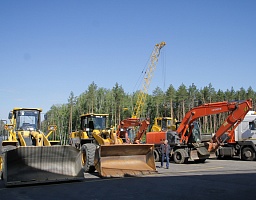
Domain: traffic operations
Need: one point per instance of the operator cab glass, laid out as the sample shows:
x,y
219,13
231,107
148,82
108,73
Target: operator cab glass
x,y
164,124
94,122
27,120
252,125
196,135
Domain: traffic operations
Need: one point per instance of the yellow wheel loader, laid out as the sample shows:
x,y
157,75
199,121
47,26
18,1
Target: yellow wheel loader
x,y
163,124
104,151
28,156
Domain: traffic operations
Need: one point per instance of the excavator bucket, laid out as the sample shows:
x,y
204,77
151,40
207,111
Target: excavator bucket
x,y
34,164
125,160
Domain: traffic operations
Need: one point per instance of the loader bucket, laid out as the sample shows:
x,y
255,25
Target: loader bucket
x,y
33,164
125,160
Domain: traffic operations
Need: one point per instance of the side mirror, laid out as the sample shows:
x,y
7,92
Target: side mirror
x,y
10,115
52,128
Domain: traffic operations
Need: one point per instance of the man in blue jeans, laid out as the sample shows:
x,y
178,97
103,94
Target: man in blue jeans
x,y
165,150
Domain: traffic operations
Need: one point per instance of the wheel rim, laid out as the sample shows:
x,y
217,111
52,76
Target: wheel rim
x,y
178,156
248,154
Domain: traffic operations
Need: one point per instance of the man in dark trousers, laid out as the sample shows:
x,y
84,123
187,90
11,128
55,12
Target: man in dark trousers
x,y
165,150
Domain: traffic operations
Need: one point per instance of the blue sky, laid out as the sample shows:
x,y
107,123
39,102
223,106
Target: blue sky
x,y
49,48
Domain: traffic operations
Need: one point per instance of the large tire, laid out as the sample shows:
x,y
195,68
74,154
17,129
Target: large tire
x,y
200,160
179,156
88,153
1,167
248,154
156,156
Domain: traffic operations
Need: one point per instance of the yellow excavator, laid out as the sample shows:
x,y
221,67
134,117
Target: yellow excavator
x,y
104,151
28,156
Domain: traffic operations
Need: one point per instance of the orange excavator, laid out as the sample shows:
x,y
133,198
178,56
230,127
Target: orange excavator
x,y
186,141
126,127
240,141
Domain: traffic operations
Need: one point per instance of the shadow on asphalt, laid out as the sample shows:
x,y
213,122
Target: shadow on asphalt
x,y
226,186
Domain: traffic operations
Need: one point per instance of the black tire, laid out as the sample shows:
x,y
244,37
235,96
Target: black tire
x,y
248,154
88,153
200,160
156,156
179,156
1,168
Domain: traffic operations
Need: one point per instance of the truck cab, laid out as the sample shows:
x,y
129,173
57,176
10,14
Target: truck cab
x,y
246,131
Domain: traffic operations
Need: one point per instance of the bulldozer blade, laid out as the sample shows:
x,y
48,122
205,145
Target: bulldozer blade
x,y
29,165
125,160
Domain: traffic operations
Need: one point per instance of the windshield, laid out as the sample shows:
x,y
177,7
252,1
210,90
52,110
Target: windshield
x,y
166,124
27,120
196,132
94,122
252,125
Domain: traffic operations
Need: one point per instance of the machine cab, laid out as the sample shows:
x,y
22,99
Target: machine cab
x,y
25,119
91,122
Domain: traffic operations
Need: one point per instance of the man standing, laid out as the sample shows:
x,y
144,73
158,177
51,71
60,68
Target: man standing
x,y
165,150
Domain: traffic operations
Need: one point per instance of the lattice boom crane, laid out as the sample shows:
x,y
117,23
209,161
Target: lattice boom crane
x,y
147,80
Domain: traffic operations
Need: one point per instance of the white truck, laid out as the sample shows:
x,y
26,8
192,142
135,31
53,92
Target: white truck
x,y
240,142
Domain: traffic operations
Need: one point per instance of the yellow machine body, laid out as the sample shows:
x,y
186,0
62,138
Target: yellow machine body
x,y
111,157
28,156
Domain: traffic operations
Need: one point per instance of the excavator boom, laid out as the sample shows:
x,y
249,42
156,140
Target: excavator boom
x,y
235,108
232,121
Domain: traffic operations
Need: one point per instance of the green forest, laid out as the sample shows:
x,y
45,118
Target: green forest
x,y
119,105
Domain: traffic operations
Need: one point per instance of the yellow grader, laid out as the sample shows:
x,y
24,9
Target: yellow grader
x,y
104,151
28,156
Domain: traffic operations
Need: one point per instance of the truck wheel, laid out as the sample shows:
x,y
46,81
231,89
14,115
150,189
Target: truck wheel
x,y
88,152
179,156
156,156
200,161
1,168
248,154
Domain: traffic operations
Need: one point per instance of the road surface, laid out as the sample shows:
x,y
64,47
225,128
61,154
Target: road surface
x,y
214,179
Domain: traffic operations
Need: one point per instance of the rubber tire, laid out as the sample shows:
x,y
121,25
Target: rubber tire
x,y
88,153
247,150
1,170
156,156
179,156
200,160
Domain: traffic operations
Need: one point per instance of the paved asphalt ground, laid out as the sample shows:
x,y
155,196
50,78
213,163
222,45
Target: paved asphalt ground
x,y
214,179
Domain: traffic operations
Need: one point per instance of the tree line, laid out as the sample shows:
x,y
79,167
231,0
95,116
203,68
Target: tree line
x,y
119,105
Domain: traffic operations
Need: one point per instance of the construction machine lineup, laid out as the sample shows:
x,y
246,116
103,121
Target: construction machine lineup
x,y
28,156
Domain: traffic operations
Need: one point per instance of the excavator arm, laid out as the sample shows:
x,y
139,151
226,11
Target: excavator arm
x,y
232,121
132,122
238,111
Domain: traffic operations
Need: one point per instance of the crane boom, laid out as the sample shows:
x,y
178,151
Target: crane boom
x,y
147,79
